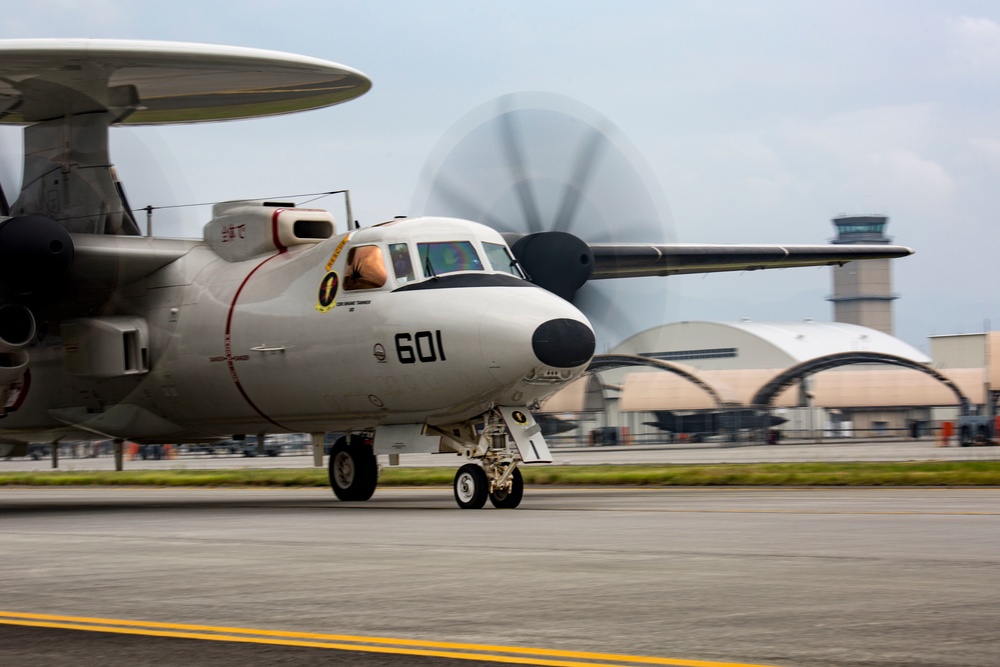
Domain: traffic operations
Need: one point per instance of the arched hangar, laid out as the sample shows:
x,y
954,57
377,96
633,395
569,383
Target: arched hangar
x,y
772,364
746,344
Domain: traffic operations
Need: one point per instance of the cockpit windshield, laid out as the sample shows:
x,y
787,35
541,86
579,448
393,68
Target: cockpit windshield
x,y
501,259
401,264
447,257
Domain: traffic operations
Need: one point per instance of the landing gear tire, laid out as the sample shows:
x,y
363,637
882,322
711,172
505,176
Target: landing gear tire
x,y
353,470
505,499
471,487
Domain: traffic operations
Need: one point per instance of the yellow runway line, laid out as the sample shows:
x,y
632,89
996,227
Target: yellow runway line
x,y
386,645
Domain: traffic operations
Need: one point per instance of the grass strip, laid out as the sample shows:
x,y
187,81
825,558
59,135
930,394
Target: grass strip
x,y
925,473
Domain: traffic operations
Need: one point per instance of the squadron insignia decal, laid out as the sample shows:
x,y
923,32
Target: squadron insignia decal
x,y
328,288
327,297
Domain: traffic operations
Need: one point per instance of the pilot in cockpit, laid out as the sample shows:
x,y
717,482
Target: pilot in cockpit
x,y
365,268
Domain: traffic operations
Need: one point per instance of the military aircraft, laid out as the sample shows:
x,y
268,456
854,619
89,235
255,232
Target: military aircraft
x,y
414,335
705,423
552,425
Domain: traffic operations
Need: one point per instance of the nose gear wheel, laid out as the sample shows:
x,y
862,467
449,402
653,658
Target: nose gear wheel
x,y
509,497
494,473
471,487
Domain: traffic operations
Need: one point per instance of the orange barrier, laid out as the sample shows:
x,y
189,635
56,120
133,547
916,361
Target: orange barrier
x,y
947,430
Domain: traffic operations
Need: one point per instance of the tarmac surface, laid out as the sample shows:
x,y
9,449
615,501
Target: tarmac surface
x,y
785,577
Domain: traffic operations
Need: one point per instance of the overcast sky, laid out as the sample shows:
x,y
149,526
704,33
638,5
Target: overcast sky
x,y
760,122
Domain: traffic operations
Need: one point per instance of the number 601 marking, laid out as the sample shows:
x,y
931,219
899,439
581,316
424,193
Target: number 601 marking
x,y
423,346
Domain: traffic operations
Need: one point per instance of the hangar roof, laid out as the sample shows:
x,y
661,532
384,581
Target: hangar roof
x,y
788,343
808,340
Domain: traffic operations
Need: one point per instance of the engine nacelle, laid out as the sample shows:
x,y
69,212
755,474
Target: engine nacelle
x,y
17,331
13,365
556,261
35,253
17,327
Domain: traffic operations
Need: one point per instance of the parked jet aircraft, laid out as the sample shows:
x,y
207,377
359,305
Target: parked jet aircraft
x,y
705,423
552,425
415,335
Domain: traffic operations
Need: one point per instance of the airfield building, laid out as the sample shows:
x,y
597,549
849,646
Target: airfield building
x,y
862,291
827,379
850,377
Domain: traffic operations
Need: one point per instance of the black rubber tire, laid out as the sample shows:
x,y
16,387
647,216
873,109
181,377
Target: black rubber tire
x,y
508,500
471,487
353,470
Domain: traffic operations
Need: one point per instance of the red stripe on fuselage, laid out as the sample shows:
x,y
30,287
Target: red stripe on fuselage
x,y
275,237
229,322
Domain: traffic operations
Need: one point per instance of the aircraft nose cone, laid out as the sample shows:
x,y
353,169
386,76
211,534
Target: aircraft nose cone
x,y
563,343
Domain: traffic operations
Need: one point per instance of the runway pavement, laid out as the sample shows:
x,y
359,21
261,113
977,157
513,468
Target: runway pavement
x,y
789,577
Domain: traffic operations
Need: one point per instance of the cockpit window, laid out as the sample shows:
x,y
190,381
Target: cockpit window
x,y
501,259
448,257
401,264
365,268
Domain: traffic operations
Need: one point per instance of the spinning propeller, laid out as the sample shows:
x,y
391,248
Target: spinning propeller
x,y
554,177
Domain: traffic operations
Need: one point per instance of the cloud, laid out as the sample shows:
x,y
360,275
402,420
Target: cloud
x,y
976,42
68,18
878,157
899,175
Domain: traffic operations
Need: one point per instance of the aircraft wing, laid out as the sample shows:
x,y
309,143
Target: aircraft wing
x,y
629,260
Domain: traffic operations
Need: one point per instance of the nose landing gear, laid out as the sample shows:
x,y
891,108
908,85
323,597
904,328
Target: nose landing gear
x,y
494,474
509,496
471,487
501,482
497,442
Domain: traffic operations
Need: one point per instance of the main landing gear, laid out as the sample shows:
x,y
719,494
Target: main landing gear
x,y
353,469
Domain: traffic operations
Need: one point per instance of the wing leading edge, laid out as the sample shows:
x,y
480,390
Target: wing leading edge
x,y
623,260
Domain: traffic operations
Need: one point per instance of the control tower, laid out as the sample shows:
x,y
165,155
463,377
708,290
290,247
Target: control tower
x,y
862,291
